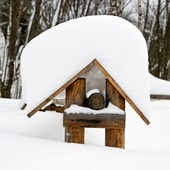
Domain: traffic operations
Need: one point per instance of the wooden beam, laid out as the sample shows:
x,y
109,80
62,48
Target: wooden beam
x,y
107,75
60,89
100,120
24,106
160,97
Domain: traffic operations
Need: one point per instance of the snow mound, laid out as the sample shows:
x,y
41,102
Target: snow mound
x,y
159,86
55,56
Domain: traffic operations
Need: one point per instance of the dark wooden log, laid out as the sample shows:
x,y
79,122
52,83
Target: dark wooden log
x,y
95,101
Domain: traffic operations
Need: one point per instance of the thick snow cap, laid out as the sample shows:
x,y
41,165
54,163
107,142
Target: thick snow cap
x,y
56,55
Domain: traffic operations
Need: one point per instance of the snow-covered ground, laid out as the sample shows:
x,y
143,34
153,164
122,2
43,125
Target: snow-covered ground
x,y
38,143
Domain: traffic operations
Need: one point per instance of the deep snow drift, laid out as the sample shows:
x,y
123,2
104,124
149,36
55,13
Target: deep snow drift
x,y
56,55
38,143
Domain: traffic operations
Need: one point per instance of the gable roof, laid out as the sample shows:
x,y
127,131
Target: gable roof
x,y
107,75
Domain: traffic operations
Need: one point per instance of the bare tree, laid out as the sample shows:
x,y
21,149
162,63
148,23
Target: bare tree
x,y
115,7
12,34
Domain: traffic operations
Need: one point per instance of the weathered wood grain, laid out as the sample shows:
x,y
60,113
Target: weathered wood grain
x,y
115,138
94,120
74,135
75,93
113,96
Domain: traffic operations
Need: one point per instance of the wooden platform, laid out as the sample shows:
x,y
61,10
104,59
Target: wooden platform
x,y
114,124
94,120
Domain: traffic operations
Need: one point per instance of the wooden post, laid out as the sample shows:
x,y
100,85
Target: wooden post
x,y
75,94
74,135
114,137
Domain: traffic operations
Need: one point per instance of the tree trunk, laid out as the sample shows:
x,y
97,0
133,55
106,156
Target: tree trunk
x,y
115,7
6,86
140,15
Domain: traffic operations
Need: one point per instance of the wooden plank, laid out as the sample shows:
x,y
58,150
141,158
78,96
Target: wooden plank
x,y
75,93
101,120
160,97
24,106
107,75
113,96
60,89
115,138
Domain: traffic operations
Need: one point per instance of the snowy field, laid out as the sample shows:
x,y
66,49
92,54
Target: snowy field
x,y
38,143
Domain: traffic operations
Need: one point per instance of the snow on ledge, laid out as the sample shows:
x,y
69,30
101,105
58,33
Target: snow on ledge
x,y
111,109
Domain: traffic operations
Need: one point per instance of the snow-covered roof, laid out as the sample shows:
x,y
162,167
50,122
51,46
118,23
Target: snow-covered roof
x,y
58,54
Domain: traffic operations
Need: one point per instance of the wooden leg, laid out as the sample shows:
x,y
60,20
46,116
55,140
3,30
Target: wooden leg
x,y
74,135
115,138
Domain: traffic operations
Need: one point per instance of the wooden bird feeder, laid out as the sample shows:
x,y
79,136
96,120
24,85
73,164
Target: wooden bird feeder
x,y
75,123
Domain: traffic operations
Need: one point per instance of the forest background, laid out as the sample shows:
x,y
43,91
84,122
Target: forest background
x,y
22,20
